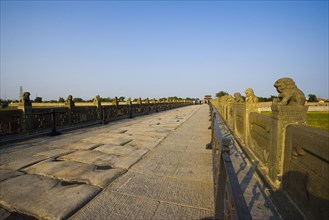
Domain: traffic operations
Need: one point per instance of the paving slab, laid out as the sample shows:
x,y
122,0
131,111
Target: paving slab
x,y
54,153
7,174
43,197
71,171
175,190
91,157
99,158
81,146
118,206
175,211
108,140
145,142
122,150
174,182
83,163
19,164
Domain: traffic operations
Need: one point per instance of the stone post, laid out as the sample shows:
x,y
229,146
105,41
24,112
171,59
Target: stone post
x,y
69,103
239,115
287,109
139,101
115,101
98,104
250,107
129,104
282,115
25,105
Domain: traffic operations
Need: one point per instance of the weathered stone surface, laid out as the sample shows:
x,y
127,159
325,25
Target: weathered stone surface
x,y
106,139
101,159
54,153
4,214
7,174
91,157
152,133
125,162
44,198
110,205
18,164
122,150
81,146
185,192
175,211
71,171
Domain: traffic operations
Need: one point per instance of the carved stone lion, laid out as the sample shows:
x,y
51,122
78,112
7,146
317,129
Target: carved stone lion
x,y
289,94
238,97
25,99
250,96
69,98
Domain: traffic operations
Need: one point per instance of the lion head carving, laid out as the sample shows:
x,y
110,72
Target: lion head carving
x,y
238,97
289,94
25,99
250,96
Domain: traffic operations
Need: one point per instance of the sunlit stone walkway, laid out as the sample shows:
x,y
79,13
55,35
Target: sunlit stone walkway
x,y
149,167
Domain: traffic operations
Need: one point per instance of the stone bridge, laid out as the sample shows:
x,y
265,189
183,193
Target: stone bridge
x,y
148,167
170,164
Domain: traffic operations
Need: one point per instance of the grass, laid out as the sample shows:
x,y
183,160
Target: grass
x,y
314,119
318,120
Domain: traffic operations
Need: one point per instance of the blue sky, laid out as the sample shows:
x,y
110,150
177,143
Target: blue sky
x,y
161,48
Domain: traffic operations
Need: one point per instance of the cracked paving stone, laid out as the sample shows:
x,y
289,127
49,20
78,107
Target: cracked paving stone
x,y
54,153
81,146
7,174
19,164
71,171
108,140
101,159
122,150
44,198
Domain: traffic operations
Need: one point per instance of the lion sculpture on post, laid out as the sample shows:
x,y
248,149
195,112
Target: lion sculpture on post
x,y
238,97
250,96
25,99
289,94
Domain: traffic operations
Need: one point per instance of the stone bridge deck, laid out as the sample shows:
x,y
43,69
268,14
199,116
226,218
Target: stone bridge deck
x,y
149,167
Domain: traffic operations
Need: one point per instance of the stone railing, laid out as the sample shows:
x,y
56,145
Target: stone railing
x,y
291,156
27,120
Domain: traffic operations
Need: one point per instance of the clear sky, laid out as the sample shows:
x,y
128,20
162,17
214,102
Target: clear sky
x,y
161,48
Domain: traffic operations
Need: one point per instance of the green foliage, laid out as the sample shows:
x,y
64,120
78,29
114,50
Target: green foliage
x,y
61,99
312,98
121,99
221,93
264,99
38,99
78,100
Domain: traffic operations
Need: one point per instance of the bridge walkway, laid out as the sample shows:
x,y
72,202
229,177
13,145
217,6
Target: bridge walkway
x,y
148,167
173,181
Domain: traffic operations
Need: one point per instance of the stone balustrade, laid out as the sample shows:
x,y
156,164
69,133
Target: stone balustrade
x,y
28,119
291,156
